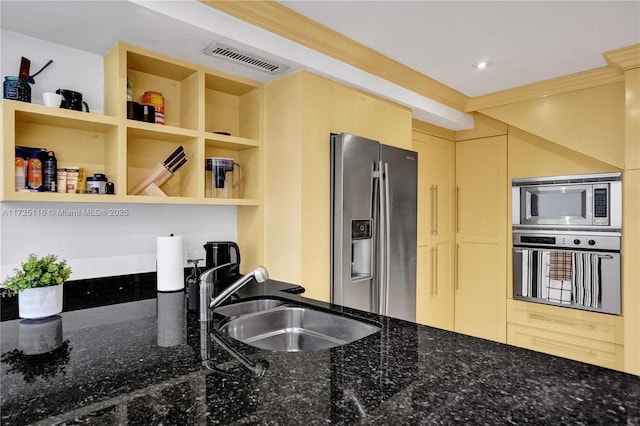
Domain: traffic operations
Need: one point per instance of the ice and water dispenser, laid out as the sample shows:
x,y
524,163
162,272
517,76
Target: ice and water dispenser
x,y
361,249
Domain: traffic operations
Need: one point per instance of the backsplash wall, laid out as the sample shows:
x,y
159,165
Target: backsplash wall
x,y
102,240
95,245
71,69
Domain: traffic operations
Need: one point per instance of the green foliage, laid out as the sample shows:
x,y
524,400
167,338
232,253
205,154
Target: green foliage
x,y
43,272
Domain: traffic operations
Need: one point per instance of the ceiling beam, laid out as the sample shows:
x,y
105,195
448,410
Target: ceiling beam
x,y
283,21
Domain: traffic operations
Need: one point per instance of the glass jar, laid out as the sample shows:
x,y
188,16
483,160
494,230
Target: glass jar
x,y
16,89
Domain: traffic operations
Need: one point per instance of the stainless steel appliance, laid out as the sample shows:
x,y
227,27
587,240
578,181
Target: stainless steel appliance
x,y
571,269
579,201
373,226
221,253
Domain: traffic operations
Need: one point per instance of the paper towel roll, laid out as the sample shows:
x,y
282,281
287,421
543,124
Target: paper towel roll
x,y
170,263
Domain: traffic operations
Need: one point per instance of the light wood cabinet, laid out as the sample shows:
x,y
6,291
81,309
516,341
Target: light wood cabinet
x,y
200,103
585,336
481,238
436,191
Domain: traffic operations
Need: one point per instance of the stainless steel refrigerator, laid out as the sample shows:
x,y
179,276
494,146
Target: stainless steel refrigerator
x,y
373,226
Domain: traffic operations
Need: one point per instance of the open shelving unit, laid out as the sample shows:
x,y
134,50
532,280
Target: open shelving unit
x,y
209,113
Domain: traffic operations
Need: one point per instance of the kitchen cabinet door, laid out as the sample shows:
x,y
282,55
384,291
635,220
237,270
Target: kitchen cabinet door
x,y
436,183
481,238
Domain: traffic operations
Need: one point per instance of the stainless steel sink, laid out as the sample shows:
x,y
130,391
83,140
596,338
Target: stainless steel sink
x,y
295,328
247,307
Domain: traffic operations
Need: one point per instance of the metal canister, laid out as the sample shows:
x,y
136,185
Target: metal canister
x,y
157,101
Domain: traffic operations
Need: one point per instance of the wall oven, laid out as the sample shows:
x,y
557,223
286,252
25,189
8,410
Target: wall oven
x,y
578,201
576,270
566,241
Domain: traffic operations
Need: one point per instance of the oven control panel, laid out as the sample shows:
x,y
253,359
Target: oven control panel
x,y
567,241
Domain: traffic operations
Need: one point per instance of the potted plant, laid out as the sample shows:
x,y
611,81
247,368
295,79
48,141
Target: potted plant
x,y
38,284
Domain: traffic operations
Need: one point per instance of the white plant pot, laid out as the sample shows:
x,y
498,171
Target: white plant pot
x,y
40,302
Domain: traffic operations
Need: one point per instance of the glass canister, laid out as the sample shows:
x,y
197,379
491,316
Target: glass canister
x,y
16,89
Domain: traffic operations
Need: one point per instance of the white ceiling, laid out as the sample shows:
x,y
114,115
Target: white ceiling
x,y
526,41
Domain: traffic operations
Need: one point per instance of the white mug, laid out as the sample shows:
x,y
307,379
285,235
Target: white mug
x,y
52,99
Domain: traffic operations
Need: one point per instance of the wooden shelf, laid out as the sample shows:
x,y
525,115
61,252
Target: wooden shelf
x,y
198,100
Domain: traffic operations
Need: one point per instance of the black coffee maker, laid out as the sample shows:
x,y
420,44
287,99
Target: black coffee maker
x,y
219,253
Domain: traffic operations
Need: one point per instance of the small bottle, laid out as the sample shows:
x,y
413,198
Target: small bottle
x,y
129,88
72,179
21,179
193,287
62,180
50,172
34,172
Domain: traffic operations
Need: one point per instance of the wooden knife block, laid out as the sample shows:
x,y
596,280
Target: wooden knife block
x,y
151,183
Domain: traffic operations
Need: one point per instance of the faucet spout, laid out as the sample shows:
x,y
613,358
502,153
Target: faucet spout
x,y
206,290
259,274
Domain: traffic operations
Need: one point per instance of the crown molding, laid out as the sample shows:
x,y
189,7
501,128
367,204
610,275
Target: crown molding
x,y
624,59
556,86
618,60
283,21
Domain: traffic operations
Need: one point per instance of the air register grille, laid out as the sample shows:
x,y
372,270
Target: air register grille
x,y
244,58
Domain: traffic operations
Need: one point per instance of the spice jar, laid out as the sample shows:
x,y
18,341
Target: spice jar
x,y
97,184
17,89
156,100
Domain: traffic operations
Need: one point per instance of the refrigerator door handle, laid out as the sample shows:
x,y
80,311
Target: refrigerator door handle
x,y
382,241
387,218
376,265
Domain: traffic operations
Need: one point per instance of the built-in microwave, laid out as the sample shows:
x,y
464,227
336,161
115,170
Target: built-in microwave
x,y
577,201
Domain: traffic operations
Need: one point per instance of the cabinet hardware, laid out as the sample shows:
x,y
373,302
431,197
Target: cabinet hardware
x,y
558,345
457,208
457,266
434,209
434,271
561,321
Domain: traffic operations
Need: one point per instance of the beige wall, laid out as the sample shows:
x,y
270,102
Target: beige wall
x,y
631,224
530,155
589,121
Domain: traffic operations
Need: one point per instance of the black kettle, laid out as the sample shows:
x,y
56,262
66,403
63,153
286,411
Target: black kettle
x,y
221,252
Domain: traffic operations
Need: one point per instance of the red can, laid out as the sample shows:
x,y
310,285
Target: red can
x,y
157,101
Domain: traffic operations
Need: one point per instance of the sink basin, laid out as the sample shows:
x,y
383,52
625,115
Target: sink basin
x,y
294,328
250,306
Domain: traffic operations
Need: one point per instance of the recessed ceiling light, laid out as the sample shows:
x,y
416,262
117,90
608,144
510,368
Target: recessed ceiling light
x,y
481,65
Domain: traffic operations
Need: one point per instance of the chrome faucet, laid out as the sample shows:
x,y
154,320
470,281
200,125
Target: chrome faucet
x,y
260,274
206,290
207,305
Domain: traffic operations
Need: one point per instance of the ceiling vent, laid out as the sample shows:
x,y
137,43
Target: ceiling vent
x,y
221,51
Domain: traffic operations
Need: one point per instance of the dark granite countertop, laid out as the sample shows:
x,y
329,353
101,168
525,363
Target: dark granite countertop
x,y
138,361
